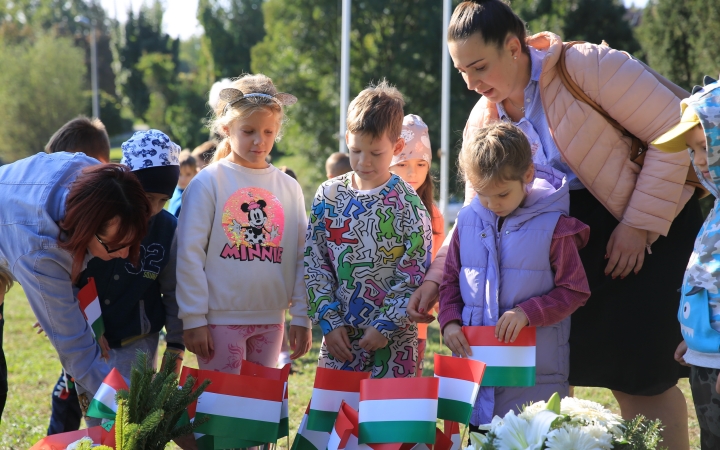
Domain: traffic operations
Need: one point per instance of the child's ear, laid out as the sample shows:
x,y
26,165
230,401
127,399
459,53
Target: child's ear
x,y
399,146
529,174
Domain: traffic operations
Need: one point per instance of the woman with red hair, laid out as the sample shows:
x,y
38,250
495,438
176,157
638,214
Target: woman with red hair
x,y
60,210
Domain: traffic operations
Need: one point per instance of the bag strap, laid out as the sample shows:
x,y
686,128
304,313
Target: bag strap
x,y
638,146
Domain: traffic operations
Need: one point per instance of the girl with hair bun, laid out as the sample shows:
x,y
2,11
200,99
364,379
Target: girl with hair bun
x,y
643,218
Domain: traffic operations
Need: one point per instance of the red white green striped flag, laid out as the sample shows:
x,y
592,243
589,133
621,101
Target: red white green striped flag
x,y
442,442
203,441
352,442
331,388
103,405
452,432
308,439
240,407
398,410
256,370
90,307
460,380
509,364
344,425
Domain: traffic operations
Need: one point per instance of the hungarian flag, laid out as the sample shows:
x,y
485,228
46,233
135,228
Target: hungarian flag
x,y
509,364
452,432
344,425
307,439
240,407
459,385
90,307
352,440
398,410
442,442
203,441
331,388
103,405
256,370
97,434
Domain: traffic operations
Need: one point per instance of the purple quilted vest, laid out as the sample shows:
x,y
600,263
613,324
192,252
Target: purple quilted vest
x,y
503,267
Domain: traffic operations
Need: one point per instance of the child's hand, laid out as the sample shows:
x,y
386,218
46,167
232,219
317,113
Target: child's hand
x,y
680,353
104,348
455,339
338,344
510,324
199,341
40,329
372,340
300,341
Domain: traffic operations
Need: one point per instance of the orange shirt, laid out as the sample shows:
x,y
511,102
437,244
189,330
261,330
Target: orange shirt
x,y
438,227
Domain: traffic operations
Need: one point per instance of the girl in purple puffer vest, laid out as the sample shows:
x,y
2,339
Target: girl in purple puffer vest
x,y
513,262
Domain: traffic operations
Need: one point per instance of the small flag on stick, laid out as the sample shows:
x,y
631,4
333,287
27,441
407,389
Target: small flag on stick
x,y
90,307
308,439
509,364
396,410
330,389
460,380
103,405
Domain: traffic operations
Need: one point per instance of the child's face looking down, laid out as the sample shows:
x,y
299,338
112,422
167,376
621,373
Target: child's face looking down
x,y
252,138
157,202
504,197
186,175
413,171
370,158
695,139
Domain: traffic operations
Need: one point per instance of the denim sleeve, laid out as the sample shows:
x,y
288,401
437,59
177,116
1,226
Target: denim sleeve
x,y
48,289
168,281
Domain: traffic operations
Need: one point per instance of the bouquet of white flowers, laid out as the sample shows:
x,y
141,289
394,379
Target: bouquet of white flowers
x,y
570,424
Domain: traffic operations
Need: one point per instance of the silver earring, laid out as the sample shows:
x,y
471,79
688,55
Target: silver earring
x,y
514,57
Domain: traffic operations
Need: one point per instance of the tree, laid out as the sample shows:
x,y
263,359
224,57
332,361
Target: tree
x,y
598,20
680,39
142,34
232,28
41,88
401,41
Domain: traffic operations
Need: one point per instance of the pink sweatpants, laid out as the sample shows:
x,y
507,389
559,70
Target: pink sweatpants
x,y
233,343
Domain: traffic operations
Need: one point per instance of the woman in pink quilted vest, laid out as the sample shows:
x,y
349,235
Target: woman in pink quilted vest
x,y
643,219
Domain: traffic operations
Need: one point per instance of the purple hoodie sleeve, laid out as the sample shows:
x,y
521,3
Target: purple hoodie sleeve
x,y
571,286
451,302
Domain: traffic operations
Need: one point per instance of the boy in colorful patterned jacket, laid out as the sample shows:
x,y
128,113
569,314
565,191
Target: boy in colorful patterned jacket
x,y
367,247
699,313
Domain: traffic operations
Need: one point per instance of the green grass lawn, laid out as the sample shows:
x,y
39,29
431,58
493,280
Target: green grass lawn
x,y
34,367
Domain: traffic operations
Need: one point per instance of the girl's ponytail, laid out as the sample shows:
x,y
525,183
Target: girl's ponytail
x,y
223,149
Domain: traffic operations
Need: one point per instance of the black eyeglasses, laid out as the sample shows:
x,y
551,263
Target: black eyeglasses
x,y
107,249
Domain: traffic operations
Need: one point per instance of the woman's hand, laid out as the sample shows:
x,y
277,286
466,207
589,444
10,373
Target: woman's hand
x,y
300,341
338,344
199,341
104,348
625,251
422,301
455,339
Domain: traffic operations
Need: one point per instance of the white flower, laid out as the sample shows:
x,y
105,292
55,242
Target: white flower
x,y
511,435
603,438
589,413
531,410
538,429
571,438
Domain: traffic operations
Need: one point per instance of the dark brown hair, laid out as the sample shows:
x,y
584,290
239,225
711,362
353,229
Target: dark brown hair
x,y
493,19
426,192
99,194
337,164
204,152
377,110
81,135
496,153
187,159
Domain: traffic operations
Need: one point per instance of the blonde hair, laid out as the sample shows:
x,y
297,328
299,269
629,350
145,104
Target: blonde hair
x,y
496,153
6,279
377,110
246,84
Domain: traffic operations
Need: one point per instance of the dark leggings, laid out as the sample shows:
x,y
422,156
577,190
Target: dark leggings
x,y
707,405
